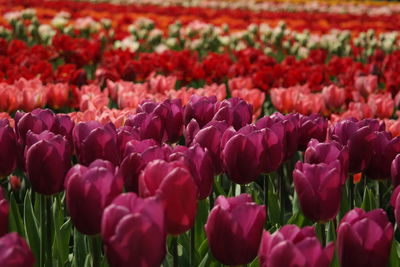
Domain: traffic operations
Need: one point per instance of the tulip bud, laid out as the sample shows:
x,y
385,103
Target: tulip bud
x,y
327,152
88,192
334,96
173,183
291,132
395,171
200,108
133,231
364,238
234,111
48,159
291,246
15,183
94,141
234,229
318,187
395,203
15,252
8,147
4,211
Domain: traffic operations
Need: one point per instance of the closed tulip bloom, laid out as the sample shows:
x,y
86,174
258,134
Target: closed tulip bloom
x,y
190,131
395,171
359,137
312,126
234,111
327,152
292,246
384,151
48,159
14,252
94,141
395,203
318,187
210,137
334,96
200,108
291,132
4,211
364,238
88,192
8,147
234,229
133,231
199,162
173,183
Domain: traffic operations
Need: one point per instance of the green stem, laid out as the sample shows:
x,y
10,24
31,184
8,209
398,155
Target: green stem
x,y
95,247
351,193
266,192
192,246
175,251
211,200
282,192
242,189
42,211
49,240
323,233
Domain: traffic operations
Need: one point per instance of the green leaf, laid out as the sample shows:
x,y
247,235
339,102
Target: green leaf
x,y
331,233
62,232
30,226
274,211
255,263
394,256
80,252
16,222
369,202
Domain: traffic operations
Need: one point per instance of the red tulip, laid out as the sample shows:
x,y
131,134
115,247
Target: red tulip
x,y
173,183
291,246
234,229
364,238
133,231
88,192
334,96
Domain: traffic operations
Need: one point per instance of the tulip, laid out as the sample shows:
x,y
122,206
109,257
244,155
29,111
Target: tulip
x,y
8,147
89,190
199,162
395,171
366,85
318,187
334,96
210,137
364,238
94,141
14,252
173,183
234,229
395,203
384,150
200,108
359,137
327,152
291,133
382,105
292,246
190,131
48,159
4,211
313,126
234,111
133,231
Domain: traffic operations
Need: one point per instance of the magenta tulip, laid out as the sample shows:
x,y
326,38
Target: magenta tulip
x,y
4,211
200,108
88,192
8,147
395,171
312,126
318,187
235,111
133,231
14,252
364,238
291,246
234,229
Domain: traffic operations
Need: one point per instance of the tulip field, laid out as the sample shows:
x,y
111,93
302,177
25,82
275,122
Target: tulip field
x,y
203,133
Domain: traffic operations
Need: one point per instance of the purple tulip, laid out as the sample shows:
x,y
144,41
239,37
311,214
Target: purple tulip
x,y
395,171
124,135
364,238
174,185
312,126
318,187
199,162
94,141
88,192
291,246
200,108
210,137
234,111
133,231
234,229
14,252
358,138
48,159
395,203
8,147
327,152
4,211
384,150
190,131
